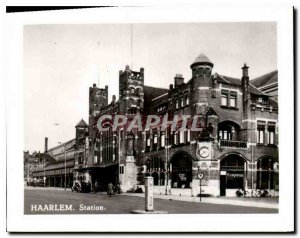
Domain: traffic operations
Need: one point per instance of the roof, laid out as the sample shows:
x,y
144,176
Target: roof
x,y
152,93
236,81
202,58
82,123
266,79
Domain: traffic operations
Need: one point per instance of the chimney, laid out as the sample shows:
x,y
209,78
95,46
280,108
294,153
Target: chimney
x,y
46,144
245,78
114,98
245,70
178,80
171,87
94,85
245,84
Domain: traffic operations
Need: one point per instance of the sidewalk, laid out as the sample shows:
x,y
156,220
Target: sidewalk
x,y
268,202
271,202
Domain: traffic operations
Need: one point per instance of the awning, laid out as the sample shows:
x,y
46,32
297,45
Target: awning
x,y
98,166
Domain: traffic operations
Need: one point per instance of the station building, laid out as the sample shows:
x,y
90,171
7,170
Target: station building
x,y
235,148
63,160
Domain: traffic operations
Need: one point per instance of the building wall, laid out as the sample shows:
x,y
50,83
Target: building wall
x,y
200,96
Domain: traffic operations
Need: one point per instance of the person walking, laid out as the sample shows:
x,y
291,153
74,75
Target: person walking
x,y
110,189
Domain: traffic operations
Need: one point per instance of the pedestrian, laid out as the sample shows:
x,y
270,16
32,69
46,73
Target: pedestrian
x,y
110,189
96,186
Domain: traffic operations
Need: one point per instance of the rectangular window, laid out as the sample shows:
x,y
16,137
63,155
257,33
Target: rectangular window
x,y
261,132
175,138
220,135
225,135
232,101
181,102
177,105
121,169
155,139
188,135
181,137
271,133
162,140
224,99
95,159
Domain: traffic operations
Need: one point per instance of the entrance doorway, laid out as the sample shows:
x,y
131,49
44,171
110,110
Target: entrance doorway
x,y
232,173
181,170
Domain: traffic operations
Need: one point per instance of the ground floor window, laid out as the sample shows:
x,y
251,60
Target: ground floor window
x,y
181,170
232,173
265,173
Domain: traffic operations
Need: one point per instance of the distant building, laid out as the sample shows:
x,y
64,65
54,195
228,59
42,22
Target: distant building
x,y
268,84
64,158
35,162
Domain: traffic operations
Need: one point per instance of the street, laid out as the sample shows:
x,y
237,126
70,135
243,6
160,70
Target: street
x,y
50,201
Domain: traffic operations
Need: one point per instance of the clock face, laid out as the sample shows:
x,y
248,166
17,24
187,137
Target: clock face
x,y
204,152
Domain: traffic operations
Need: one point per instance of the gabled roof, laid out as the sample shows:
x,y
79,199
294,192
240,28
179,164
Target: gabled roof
x,y
229,80
265,79
82,123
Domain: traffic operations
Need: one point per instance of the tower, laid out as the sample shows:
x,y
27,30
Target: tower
x,y
201,83
98,99
131,91
131,103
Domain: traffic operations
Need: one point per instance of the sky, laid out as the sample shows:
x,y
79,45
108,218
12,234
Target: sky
x,y
61,62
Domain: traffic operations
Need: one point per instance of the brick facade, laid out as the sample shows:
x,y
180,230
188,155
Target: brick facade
x,y
236,146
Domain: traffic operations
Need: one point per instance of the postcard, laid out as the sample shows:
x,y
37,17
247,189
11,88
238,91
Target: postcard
x,y
119,121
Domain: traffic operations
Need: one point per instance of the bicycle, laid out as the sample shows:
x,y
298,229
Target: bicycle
x,y
242,193
261,193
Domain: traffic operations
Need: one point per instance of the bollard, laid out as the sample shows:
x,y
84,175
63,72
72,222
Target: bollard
x,y
149,194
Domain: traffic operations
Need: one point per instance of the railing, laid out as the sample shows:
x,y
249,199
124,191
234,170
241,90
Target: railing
x,y
232,144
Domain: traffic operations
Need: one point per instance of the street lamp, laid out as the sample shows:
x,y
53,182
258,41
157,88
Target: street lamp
x,y
65,166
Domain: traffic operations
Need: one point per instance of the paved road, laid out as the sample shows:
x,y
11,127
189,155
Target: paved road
x,y
40,201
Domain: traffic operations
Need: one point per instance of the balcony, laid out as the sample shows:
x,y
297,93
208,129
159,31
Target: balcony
x,y
232,144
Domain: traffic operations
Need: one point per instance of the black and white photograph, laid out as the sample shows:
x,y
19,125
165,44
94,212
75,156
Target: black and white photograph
x,y
166,118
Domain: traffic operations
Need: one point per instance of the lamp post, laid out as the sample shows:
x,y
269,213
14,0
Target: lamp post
x,y
44,161
269,182
167,163
65,166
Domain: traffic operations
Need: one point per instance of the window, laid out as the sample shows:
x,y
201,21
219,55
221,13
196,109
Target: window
x,y
95,159
148,141
224,135
188,136
260,132
155,139
181,137
177,105
181,102
121,169
229,98
175,138
224,99
232,101
187,101
271,133
162,140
